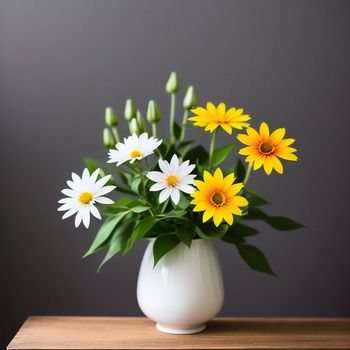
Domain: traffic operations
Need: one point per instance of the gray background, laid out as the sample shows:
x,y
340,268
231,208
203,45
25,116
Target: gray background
x,y
62,62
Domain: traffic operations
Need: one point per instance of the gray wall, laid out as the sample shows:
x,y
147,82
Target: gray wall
x,y
62,62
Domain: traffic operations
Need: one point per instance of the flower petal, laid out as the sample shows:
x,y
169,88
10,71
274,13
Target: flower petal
x,y
78,218
264,131
156,176
164,195
86,216
277,135
94,211
175,195
208,214
158,186
268,165
226,127
104,190
69,213
104,200
186,188
277,165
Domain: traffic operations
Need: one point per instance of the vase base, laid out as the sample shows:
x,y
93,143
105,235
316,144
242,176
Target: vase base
x,y
173,330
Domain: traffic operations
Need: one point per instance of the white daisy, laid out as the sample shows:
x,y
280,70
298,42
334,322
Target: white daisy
x,y
172,179
134,148
83,193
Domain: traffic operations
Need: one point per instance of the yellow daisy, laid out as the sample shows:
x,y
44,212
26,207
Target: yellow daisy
x,y
212,117
264,148
216,196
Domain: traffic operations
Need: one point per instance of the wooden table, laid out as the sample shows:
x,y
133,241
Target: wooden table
x,y
222,333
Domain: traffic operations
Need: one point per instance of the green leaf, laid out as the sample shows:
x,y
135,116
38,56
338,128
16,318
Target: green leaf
x,y
139,231
170,151
135,184
254,258
184,235
177,130
93,164
139,209
90,164
118,241
254,198
209,231
185,143
162,245
123,202
184,202
173,214
104,232
243,230
163,148
124,190
221,154
189,125
197,154
203,235
240,171
283,223
233,238
278,222
126,177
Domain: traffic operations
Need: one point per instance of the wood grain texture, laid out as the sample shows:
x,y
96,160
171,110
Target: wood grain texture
x,y
222,333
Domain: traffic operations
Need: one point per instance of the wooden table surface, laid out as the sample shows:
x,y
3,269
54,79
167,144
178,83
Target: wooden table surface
x,y
73,333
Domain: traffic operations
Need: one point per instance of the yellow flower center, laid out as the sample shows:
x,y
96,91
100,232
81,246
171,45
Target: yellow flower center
x,y
85,198
218,199
266,148
135,153
172,180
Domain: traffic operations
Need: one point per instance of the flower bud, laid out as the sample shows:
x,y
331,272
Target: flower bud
x,y
108,140
130,109
134,127
140,121
190,100
153,113
172,86
110,117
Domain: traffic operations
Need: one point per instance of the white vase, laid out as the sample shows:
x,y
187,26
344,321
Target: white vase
x,y
184,290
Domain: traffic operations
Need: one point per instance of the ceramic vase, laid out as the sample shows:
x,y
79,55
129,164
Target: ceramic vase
x,y
184,290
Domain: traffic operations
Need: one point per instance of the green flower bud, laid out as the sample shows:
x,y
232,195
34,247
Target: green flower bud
x,y
172,86
134,127
110,117
190,100
108,139
153,113
140,121
130,109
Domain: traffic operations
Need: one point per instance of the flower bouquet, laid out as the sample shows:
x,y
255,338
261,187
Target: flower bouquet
x,y
178,195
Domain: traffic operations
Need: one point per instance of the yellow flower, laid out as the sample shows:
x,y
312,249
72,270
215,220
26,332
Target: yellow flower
x,y
265,148
216,196
212,117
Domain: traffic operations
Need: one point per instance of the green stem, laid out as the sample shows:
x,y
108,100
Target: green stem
x,y
212,147
172,118
247,174
115,134
183,128
144,186
164,206
185,152
154,130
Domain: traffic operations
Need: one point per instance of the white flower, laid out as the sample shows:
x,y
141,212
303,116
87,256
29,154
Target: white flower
x,y
82,195
172,179
134,148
